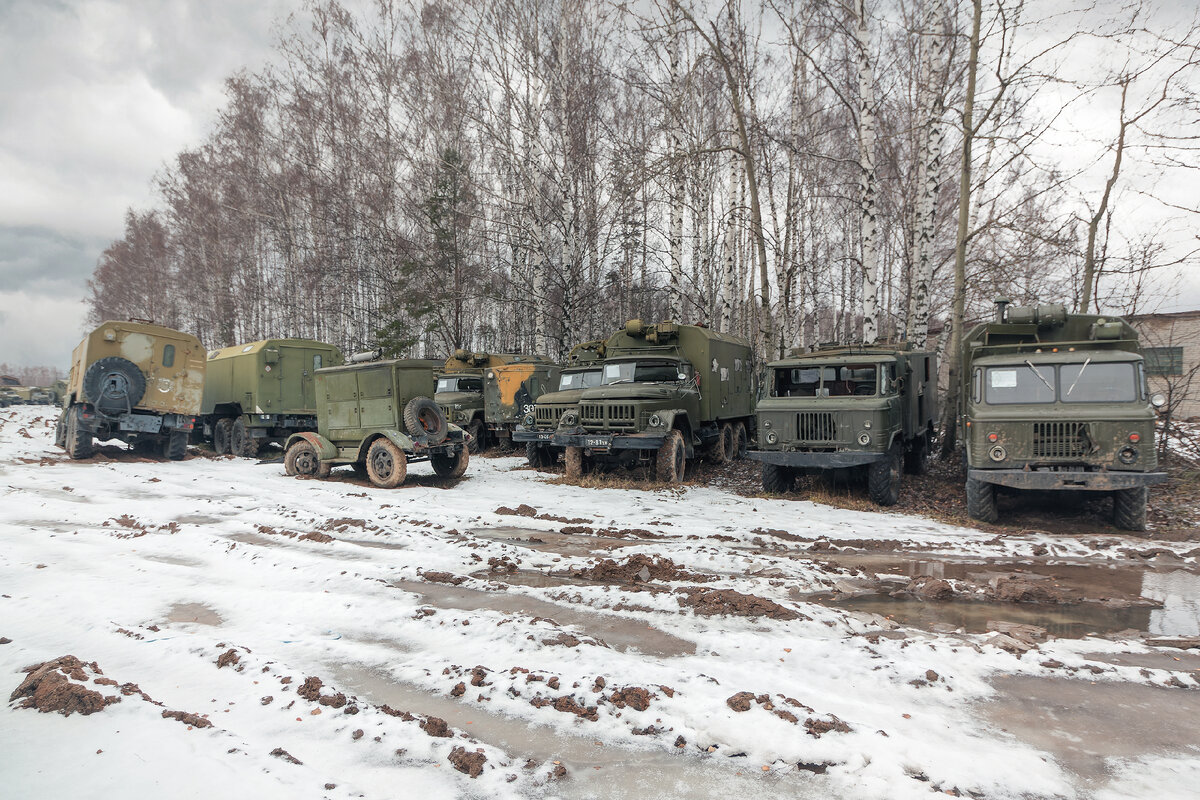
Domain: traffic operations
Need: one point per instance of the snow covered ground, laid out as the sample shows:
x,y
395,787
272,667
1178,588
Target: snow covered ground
x,y
221,587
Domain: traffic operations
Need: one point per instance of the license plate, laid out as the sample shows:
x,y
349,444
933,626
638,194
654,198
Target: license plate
x,y
545,436
596,441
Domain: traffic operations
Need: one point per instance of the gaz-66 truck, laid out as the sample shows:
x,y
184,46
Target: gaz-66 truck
x,y
668,393
490,414
378,417
262,392
134,381
1051,400
842,409
584,370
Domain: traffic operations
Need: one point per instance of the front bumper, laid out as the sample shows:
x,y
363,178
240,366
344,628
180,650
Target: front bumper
x,y
837,460
523,435
1100,481
610,441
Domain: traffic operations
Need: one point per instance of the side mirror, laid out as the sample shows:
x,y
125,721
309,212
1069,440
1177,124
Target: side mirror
x,y
1158,400
898,384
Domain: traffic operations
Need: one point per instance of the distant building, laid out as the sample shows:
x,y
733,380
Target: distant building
x,y
9,380
1171,345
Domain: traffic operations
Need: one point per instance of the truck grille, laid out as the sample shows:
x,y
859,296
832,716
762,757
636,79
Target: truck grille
x,y
446,411
1059,439
610,415
816,426
590,412
548,415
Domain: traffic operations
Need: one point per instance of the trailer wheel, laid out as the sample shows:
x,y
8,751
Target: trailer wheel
x,y
79,438
981,501
883,478
451,466
302,460
1129,508
174,445
777,479
573,459
386,463
671,460
539,457
241,443
424,419
222,429
114,385
478,435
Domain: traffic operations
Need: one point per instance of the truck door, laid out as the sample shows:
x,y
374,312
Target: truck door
x,y
341,399
376,401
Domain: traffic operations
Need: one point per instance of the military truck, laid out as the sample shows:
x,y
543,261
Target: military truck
x,y
460,392
377,416
584,370
843,410
134,381
1057,401
668,393
262,392
8,397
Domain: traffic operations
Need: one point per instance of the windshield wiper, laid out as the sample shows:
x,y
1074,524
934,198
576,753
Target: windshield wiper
x,y
1043,380
622,380
1080,375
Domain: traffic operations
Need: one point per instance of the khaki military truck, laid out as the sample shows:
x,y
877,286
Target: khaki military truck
x,y
668,393
378,417
1057,401
8,397
262,392
842,410
510,391
134,381
584,370
460,392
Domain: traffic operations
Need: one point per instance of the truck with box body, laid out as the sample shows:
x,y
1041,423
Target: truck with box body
x,y
668,393
378,417
262,392
1056,401
134,381
584,370
848,409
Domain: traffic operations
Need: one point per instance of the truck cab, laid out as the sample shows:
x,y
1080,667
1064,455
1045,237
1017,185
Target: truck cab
x,y
538,424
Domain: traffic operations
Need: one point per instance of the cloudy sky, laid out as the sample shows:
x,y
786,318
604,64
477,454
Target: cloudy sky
x,y
95,96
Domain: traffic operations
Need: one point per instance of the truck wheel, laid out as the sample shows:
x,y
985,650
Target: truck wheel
x,y
60,430
241,443
301,459
539,457
478,435
451,466
916,460
883,479
721,451
671,460
573,458
741,442
386,463
424,419
981,501
777,479
1129,508
175,445
114,384
222,430
79,438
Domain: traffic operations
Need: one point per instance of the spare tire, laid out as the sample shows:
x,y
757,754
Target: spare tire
x,y
425,420
114,385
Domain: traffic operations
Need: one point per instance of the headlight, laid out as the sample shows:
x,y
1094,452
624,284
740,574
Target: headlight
x,y
867,424
1128,455
1158,400
772,437
654,421
864,438
568,418
998,453
528,421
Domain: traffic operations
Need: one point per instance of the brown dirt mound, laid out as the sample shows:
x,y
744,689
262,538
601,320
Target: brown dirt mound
x,y
436,727
468,762
322,538
279,752
931,588
1019,590
311,689
443,577
195,720
637,569
816,727
717,602
48,688
228,658
520,511
740,701
635,697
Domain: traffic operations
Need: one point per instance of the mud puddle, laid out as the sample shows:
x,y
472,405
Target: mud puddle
x,y
197,613
551,542
1083,725
620,633
595,770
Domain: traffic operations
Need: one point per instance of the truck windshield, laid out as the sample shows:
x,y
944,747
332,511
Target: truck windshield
x,y
1026,383
833,381
1097,383
643,372
465,383
579,380
797,381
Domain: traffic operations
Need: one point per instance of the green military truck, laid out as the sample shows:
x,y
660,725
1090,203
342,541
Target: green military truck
x,y
377,416
584,370
134,381
460,392
668,393
510,391
262,392
1057,401
848,409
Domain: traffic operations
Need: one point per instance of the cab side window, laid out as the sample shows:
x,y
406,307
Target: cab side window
x,y
317,361
168,359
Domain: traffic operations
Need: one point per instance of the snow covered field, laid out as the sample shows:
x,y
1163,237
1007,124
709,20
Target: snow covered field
x,y
443,628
